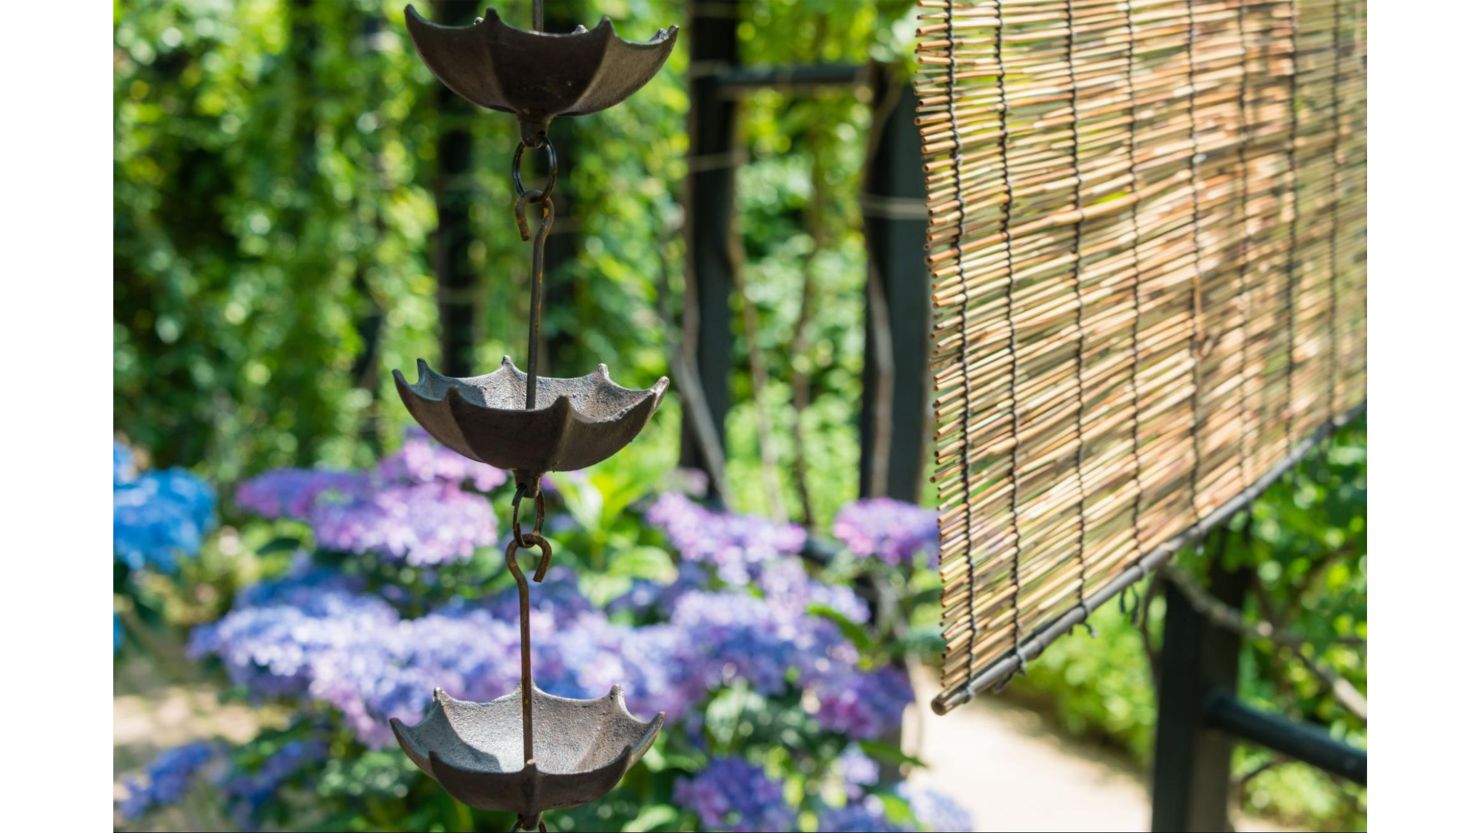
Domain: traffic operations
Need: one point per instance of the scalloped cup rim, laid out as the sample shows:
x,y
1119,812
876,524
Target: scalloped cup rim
x,y
425,374
603,28
406,735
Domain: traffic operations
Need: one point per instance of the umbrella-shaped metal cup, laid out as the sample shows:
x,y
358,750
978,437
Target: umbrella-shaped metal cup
x,y
528,751
582,748
574,423
538,75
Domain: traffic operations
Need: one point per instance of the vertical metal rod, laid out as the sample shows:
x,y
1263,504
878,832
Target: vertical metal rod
x,y
536,298
526,665
539,15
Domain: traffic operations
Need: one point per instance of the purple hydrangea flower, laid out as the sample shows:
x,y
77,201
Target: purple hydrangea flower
x,y
786,582
390,670
559,596
865,815
423,525
738,636
270,649
422,459
737,546
589,655
864,705
858,771
935,810
161,517
166,779
648,598
291,493
892,531
731,794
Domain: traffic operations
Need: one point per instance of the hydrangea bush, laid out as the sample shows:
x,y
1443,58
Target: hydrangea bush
x,y
781,705
161,519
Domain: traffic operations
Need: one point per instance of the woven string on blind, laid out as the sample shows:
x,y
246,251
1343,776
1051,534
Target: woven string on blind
x,y
1147,244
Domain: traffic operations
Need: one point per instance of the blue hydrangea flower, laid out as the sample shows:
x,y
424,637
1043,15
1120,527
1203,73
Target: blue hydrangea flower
x,y
161,517
423,525
865,815
736,546
732,794
935,810
864,705
892,531
247,793
166,780
292,493
299,586
422,459
125,468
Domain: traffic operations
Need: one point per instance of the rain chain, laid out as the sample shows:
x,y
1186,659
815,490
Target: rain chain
x,y
527,751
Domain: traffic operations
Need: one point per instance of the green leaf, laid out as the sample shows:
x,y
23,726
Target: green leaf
x,y
855,632
651,818
581,499
890,753
282,543
644,562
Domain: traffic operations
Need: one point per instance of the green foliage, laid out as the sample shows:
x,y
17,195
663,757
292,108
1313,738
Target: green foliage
x,y
1306,541
275,187
275,181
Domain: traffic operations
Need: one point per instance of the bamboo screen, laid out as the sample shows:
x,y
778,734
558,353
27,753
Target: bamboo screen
x,y
1147,248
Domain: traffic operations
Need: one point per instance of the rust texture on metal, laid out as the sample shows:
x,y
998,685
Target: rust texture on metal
x,y
476,751
538,75
528,751
575,422
490,756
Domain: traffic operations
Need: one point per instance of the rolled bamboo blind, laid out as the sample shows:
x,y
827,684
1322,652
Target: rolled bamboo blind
x,y
1147,243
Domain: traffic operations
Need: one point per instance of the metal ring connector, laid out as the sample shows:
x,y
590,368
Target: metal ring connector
x,y
543,194
528,541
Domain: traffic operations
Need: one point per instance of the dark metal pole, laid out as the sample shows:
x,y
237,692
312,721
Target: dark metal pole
x,y
894,419
1191,768
454,195
1301,741
736,80
714,49
558,353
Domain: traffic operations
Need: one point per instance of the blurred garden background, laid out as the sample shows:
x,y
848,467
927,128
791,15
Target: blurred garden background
x,y
306,565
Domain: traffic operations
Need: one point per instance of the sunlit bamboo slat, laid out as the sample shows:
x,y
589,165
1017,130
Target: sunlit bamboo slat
x,y
1147,244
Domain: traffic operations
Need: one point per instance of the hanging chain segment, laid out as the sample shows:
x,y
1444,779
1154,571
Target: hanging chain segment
x,y
524,200
529,541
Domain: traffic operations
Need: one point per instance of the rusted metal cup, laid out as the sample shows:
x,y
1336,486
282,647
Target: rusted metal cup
x,y
538,75
582,748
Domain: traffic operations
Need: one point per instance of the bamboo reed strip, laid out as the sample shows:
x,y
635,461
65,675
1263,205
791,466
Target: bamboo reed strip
x,y
1147,243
